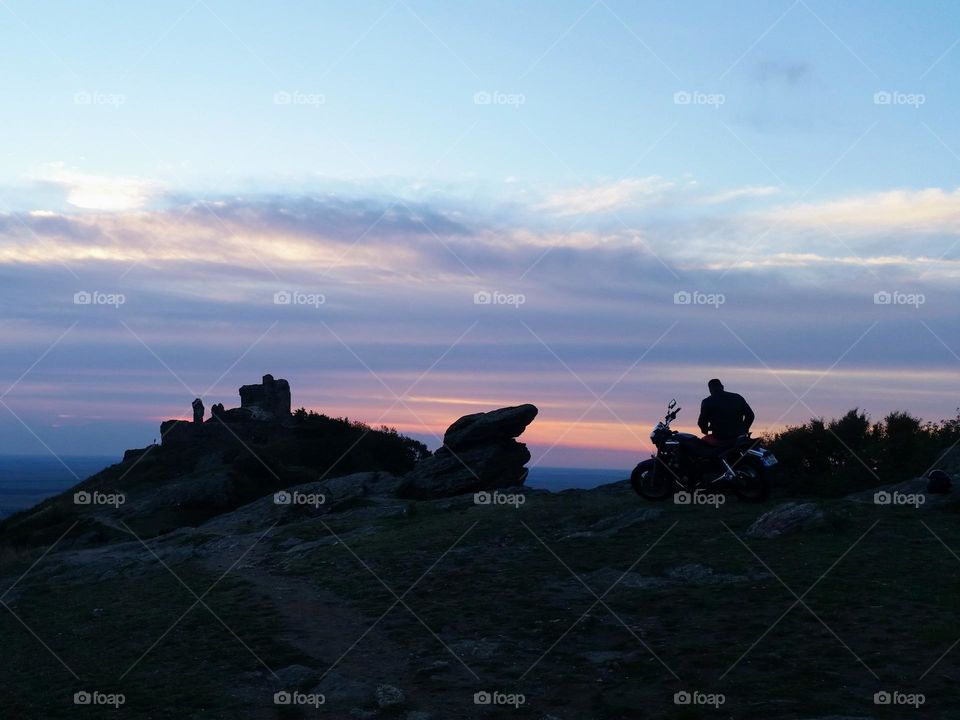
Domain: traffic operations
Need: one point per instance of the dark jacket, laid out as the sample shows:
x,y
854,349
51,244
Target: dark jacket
x,y
726,415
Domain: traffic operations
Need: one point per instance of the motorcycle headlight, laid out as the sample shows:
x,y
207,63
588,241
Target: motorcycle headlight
x,y
656,431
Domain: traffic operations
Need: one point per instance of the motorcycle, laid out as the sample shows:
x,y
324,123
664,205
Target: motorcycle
x,y
685,463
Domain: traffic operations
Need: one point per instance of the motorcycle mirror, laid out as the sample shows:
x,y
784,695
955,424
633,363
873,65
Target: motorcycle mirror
x,y
672,405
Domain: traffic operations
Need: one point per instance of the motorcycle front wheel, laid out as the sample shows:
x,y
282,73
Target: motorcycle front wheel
x,y
752,483
651,480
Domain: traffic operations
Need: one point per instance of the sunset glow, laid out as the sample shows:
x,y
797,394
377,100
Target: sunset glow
x,y
590,224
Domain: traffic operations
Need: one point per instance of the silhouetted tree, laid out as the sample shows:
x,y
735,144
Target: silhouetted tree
x,y
849,453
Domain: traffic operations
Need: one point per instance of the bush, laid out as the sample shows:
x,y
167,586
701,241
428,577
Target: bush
x,y
850,453
341,446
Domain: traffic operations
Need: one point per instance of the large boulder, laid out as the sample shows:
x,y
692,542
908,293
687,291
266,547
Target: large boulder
x,y
939,483
479,453
950,464
482,428
915,493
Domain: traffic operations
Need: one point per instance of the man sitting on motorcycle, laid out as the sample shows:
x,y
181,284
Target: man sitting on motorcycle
x,y
724,416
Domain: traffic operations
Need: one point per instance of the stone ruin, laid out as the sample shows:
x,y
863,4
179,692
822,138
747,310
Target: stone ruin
x,y
198,410
267,401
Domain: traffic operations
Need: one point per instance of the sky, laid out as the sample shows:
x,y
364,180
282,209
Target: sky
x,y
415,210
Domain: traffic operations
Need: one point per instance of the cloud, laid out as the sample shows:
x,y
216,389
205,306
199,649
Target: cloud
x,y
100,192
199,276
756,191
644,193
930,210
372,239
629,192
776,72
376,238
318,233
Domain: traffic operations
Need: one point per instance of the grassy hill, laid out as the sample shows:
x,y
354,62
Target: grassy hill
x,y
591,604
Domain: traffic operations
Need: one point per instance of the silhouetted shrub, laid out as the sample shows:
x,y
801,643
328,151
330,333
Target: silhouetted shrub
x,y
339,446
850,453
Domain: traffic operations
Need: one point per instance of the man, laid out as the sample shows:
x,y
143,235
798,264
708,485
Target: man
x,y
724,416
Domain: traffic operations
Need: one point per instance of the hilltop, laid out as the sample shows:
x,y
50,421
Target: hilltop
x,y
208,467
406,587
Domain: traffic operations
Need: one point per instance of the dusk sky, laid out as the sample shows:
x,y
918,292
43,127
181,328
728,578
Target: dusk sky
x,y
648,194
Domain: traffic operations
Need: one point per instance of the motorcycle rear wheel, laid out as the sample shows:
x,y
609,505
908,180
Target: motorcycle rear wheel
x,y
651,480
752,483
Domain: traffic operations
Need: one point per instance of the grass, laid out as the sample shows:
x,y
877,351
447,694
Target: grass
x,y
497,585
890,602
103,631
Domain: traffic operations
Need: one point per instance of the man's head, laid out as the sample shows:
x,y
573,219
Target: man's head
x,y
715,386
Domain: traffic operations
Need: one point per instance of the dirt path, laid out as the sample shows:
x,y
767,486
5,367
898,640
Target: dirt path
x,y
350,653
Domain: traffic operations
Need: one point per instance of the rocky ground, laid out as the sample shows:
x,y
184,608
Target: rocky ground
x,y
263,564
582,604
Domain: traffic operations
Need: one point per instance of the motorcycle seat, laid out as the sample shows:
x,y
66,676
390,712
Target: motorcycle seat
x,y
704,449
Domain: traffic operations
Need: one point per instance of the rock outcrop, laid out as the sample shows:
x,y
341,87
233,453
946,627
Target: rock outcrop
x,y
198,410
235,461
269,400
785,519
308,500
914,492
479,453
490,427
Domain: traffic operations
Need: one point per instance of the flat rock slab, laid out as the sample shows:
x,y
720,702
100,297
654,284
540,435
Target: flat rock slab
x,y
689,574
785,519
483,428
610,526
906,492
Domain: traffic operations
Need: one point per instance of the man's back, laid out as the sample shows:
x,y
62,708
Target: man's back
x,y
725,414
